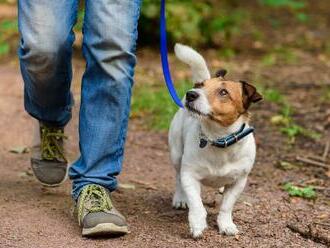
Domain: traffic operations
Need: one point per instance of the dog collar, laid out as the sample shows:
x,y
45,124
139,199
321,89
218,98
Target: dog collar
x,y
225,141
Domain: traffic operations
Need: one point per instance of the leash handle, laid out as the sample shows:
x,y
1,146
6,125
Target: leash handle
x,y
164,57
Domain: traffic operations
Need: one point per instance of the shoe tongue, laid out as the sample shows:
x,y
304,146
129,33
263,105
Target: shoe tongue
x,y
95,202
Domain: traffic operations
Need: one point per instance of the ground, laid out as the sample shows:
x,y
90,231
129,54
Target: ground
x,y
34,216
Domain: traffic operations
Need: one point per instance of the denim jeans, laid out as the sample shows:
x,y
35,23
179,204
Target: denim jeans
x,y
45,52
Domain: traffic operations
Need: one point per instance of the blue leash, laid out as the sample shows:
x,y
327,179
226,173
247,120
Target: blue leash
x,y
164,58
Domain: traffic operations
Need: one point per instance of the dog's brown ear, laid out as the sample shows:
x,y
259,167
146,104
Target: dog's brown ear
x,y
250,94
221,73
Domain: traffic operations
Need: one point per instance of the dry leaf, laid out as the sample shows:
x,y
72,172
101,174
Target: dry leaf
x,y
126,186
19,150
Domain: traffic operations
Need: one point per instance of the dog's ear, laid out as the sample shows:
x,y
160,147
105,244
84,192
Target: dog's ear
x,y
250,94
221,73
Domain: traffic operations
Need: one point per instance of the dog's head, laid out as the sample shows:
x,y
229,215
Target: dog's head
x,y
221,100
216,99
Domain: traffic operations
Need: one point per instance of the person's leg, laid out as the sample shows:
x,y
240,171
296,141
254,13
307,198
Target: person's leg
x,y
45,57
110,34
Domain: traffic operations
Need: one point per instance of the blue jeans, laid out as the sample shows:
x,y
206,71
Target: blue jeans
x,y
110,34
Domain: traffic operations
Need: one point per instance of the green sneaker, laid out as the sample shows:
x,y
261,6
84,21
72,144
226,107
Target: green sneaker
x,y
48,160
96,214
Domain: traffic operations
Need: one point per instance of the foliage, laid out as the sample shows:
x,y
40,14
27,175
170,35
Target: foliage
x,y
293,4
285,165
215,23
80,20
230,25
4,48
279,54
289,127
284,118
154,104
272,95
326,94
193,22
8,29
304,192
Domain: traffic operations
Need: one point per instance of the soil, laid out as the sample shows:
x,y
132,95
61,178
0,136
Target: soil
x,y
34,216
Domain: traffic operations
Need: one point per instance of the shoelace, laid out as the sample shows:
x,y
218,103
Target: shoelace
x,y
93,198
50,147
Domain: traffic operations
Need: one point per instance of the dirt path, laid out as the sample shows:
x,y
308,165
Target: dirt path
x,y
34,216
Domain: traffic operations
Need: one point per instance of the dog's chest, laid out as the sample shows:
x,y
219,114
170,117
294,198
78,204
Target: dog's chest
x,y
220,168
215,164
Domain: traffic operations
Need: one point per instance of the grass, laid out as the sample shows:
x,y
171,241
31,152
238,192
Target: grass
x,y
284,118
154,104
289,127
296,7
307,192
325,94
281,55
272,95
8,29
80,20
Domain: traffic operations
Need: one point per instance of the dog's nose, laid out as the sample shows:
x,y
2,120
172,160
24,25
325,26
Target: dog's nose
x,y
191,96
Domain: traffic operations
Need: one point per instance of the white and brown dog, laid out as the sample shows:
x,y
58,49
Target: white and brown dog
x,y
211,142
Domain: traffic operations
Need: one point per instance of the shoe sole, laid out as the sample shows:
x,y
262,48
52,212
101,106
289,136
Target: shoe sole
x,y
105,229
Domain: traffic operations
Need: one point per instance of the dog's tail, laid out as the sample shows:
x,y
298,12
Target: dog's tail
x,y
186,54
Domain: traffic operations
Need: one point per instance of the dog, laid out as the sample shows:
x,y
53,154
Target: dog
x,y
211,142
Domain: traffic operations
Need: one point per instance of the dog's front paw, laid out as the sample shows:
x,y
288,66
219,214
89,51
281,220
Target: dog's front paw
x,y
179,201
228,228
197,224
197,229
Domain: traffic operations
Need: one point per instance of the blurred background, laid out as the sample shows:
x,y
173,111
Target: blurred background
x,y
281,46
269,32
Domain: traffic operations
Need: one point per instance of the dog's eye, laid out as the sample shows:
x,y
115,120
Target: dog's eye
x,y
223,92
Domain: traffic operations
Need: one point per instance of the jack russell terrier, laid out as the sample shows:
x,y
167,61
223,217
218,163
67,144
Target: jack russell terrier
x,y
211,142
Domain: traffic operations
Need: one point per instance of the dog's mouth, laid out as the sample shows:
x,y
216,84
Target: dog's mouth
x,y
195,111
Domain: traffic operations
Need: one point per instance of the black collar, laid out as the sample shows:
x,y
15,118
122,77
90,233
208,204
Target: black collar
x,y
226,141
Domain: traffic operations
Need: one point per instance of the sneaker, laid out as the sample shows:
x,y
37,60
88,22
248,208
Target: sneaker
x,y
96,213
48,160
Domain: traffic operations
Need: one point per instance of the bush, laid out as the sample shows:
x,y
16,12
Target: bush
x,y
197,23
225,23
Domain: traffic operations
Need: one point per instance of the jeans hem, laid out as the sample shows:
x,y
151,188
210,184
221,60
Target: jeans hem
x,y
75,194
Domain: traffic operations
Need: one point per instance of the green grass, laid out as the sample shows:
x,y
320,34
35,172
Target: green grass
x,y
80,20
272,95
304,192
325,94
4,48
8,29
292,4
281,55
284,118
289,127
154,104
